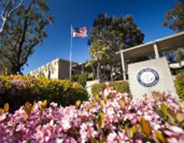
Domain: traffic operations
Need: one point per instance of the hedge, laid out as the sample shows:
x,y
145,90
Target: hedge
x,y
179,83
121,86
17,90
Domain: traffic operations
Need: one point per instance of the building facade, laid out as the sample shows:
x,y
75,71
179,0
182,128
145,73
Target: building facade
x,y
56,69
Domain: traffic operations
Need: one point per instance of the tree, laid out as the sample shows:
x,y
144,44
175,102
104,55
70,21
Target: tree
x,y
112,34
4,65
175,17
179,55
175,21
90,63
98,52
24,30
116,32
8,9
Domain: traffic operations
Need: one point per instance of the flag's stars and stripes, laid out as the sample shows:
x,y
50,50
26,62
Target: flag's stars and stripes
x,y
79,32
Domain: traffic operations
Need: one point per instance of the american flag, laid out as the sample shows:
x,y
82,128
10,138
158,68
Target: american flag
x,y
79,32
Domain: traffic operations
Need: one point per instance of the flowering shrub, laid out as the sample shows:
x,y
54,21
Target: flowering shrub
x,y
115,120
17,90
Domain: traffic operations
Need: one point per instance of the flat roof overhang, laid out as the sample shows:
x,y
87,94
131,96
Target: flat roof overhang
x,y
164,44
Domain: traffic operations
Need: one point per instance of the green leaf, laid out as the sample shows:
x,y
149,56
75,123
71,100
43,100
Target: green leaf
x,y
122,102
145,127
160,136
78,103
171,112
129,132
179,117
102,140
6,107
134,129
164,109
102,104
159,113
101,120
96,97
93,140
44,104
28,108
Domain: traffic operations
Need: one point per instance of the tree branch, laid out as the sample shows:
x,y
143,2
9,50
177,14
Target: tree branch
x,y
28,53
4,10
14,9
29,7
24,31
5,16
23,38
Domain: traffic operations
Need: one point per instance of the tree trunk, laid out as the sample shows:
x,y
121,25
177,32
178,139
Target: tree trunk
x,y
16,70
98,69
93,70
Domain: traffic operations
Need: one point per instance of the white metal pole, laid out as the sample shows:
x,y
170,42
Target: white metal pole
x,y
71,53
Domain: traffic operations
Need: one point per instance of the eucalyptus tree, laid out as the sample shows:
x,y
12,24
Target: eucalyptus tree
x,y
175,17
116,32
9,8
25,29
175,21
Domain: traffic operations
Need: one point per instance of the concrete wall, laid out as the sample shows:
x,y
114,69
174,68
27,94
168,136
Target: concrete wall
x,y
49,68
63,68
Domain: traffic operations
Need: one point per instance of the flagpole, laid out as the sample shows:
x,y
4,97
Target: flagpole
x,y
71,54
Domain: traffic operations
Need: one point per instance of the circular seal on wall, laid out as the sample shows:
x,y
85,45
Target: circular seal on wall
x,y
148,77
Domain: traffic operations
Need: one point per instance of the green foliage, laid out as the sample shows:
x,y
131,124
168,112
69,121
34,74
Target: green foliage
x,y
179,55
82,79
179,84
115,32
25,29
122,86
175,21
175,17
17,90
112,34
168,115
98,50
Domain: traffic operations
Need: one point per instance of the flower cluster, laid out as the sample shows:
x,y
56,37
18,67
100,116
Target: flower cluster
x,y
117,120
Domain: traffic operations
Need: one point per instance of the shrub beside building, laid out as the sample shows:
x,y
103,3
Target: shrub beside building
x,y
17,90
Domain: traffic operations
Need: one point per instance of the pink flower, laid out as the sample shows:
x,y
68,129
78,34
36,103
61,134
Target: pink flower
x,y
177,129
59,124
53,104
3,116
65,124
20,127
111,137
172,140
138,141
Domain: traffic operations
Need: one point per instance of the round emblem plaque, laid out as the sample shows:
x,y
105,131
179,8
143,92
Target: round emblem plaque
x,y
148,77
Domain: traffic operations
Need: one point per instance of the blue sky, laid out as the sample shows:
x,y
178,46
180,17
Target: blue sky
x,y
148,15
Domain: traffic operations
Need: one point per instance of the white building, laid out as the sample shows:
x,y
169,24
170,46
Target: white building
x,y
56,69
